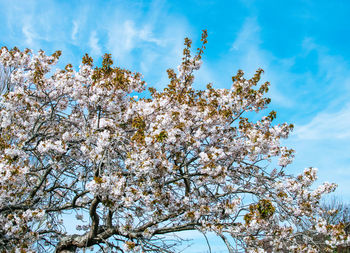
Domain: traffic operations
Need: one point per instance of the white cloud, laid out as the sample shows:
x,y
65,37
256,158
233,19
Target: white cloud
x,y
127,36
94,45
75,30
325,125
248,36
28,34
146,34
333,75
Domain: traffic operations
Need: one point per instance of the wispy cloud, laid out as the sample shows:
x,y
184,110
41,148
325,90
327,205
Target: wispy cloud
x,y
127,36
29,34
248,36
326,125
147,35
332,78
75,30
94,45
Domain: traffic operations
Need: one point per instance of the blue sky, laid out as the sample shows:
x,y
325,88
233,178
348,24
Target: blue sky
x,y
303,46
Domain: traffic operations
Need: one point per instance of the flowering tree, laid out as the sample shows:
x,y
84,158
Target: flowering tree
x,y
134,171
